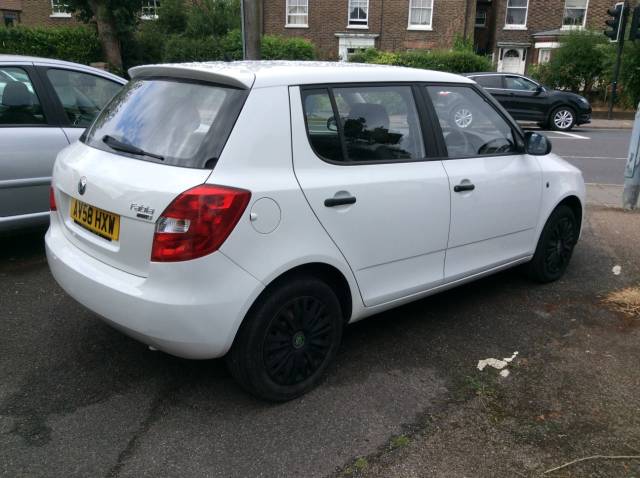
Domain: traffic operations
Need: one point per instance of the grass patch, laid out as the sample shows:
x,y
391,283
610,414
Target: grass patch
x,y
357,468
399,441
626,301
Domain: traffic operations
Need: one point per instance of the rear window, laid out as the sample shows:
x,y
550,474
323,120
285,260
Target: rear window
x,y
169,121
491,81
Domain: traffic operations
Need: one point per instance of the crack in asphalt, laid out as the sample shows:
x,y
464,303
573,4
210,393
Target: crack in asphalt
x,y
154,414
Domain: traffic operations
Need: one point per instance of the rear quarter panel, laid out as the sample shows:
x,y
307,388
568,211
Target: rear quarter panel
x,y
258,157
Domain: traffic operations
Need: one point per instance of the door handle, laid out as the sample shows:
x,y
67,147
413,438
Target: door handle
x,y
464,187
339,201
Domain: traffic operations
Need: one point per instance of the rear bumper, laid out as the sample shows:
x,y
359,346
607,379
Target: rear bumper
x,y
190,309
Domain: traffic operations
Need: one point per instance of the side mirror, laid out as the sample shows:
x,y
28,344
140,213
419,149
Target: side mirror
x,y
536,143
332,124
539,89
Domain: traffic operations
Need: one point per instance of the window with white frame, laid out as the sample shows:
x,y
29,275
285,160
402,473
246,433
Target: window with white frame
x,y
59,8
358,13
297,13
420,14
516,14
150,9
481,18
575,13
544,56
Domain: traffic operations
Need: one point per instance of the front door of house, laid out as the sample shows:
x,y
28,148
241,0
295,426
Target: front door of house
x,y
513,60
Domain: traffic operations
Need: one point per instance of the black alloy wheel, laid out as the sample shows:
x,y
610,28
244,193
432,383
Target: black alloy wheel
x,y
555,246
298,340
288,339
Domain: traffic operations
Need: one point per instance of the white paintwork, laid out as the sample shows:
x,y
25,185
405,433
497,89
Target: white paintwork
x,y
495,223
397,228
390,246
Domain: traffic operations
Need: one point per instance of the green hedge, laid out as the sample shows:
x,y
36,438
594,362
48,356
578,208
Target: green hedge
x,y
78,44
442,60
150,45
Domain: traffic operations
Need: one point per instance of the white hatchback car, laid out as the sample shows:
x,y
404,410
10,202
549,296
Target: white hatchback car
x,y
253,209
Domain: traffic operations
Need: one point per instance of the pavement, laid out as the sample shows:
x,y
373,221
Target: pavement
x,y
610,124
604,195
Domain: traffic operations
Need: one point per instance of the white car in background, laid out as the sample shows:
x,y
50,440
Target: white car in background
x,y
253,209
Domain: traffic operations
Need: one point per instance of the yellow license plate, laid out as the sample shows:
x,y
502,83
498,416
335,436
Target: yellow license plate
x,y
103,223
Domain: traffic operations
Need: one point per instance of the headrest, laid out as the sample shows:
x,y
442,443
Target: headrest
x,y
375,115
16,94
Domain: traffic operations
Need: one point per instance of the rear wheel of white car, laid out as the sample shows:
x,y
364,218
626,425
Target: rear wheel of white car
x,y
555,246
287,340
563,118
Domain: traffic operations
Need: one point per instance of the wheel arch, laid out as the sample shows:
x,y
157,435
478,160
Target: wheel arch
x,y
331,275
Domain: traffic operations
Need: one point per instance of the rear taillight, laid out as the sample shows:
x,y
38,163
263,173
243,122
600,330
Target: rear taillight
x,y
52,199
197,222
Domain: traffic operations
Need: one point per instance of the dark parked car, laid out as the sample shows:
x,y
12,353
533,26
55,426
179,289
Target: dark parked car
x,y
527,100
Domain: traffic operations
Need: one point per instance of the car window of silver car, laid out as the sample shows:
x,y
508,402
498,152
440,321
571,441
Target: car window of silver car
x,y
82,95
19,103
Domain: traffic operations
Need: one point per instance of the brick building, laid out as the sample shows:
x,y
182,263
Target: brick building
x,y
517,33
52,13
526,32
340,27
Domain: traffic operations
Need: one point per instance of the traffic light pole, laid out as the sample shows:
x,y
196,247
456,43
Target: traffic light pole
x,y
616,68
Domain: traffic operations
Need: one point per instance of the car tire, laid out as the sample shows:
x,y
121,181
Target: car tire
x,y
555,246
562,118
287,340
461,116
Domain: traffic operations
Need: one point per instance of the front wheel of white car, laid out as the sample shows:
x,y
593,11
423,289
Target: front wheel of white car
x,y
555,246
287,340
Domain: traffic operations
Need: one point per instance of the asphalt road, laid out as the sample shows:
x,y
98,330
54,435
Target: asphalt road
x,y
79,399
599,153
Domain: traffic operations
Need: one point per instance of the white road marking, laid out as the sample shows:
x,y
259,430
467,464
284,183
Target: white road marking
x,y
571,135
589,157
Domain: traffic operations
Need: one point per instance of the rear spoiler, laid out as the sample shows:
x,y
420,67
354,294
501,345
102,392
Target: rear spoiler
x,y
214,72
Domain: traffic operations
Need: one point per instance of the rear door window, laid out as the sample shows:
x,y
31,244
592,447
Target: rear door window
x,y
19,103
82,95
489,81
364,123
175,122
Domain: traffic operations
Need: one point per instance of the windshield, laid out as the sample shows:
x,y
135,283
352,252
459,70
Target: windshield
x,y
175,122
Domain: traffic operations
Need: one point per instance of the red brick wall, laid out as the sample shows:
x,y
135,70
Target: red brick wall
x,y
37,13
387,18
545,15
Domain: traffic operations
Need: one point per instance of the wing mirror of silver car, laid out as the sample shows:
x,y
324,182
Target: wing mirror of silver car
x,y
537,143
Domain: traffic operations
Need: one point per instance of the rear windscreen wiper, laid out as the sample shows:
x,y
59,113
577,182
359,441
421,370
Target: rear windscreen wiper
x,y
118,145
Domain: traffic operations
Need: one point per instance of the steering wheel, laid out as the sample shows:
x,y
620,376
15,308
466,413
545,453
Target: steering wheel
x,y
489,148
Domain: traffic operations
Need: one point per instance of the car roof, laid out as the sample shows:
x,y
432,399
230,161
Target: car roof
x,y
260,74
59,63
481,73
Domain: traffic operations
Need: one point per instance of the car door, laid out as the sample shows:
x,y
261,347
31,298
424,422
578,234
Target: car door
x,y
524,99
30,141
494,85
359,156
79,95
495,188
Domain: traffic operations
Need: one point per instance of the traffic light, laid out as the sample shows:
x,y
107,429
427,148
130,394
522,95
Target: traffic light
x,y
615,22
634,34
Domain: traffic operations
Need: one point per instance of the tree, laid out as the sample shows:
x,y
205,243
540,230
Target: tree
x,y
213,17
577,64
114,20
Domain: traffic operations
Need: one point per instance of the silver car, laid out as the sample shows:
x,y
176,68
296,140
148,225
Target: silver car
x,y
44,106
